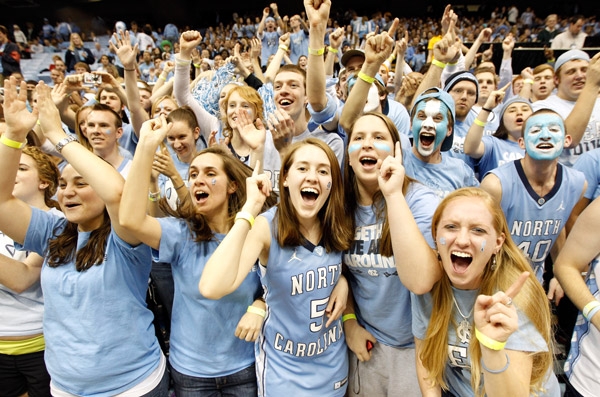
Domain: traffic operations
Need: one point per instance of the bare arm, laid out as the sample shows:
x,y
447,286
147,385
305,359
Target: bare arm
x,y
273,68
484,37
473,145
18,276
315,70
492,185
428,388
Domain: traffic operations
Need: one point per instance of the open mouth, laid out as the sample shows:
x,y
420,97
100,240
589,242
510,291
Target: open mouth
x,y
309,195
426,139
200,196
285,102
368,162
460,261
545,146
72,205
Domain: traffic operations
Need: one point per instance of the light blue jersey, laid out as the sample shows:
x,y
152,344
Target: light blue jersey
x,y
583,363
99,335
457,373
296,354
382,303
444,177
461,128
203,342
535,222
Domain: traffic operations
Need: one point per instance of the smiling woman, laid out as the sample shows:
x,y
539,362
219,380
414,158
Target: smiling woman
x,y
466,324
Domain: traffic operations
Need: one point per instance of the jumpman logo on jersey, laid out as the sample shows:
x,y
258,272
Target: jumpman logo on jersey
x,y
294,256
561,207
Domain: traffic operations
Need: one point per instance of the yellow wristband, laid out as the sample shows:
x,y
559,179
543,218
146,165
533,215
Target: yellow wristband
x,y
245,216
479,122
256,310
528,81
154,196
439,64
365,78
197,65
283,47
12,144
333,50
347,317
588,308
488,342
162,77
320,51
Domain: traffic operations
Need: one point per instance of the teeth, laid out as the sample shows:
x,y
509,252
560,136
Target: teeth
x,y
285,102
310,190
461,254
368,159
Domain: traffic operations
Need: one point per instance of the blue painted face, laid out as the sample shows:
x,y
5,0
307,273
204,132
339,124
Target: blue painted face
x,y
430,126
544,136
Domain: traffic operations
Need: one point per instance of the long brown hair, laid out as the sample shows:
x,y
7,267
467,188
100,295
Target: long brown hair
x,y
336,226
510,263
236,172
379,204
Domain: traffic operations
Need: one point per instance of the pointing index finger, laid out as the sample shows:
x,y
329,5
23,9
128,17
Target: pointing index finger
x,y
503,89
392,30
515,288
398,151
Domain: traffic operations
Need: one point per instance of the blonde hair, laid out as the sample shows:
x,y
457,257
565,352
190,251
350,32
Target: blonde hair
x,y
510,264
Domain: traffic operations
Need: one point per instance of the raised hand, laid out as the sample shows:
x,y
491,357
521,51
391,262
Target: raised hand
x,y
496,98
252,132
379,47
163,163
18,119
48,114
336,38
496,316
155,130
317,12
485,35
258,188
391,173
281,126
125,51
284,39
189,40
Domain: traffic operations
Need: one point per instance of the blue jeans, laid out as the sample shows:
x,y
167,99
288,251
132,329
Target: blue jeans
x,y
240,384
162,389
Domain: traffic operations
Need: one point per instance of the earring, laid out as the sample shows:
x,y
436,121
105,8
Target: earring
x,y
493,267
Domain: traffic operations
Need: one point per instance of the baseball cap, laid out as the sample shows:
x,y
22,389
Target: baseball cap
x,y
447,100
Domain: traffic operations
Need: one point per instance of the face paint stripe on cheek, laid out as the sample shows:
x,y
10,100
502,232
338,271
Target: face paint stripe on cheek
x,y
442,240
483,245
382,146
214,181
354,147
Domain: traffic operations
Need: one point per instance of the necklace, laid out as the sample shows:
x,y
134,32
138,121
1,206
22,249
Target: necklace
x,y
463,331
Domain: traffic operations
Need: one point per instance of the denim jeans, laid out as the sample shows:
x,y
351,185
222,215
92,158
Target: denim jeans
x,y
162,389
240,384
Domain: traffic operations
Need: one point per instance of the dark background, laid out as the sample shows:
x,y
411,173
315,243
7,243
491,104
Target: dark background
x,y
203,13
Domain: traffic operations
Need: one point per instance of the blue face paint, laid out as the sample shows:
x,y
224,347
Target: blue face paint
x,y
108,132
382,146
328,185
442,240
354,147
431,117
544,136
483,245
214,181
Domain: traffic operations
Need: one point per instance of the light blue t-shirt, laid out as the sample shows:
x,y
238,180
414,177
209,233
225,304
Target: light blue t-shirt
x,y
382,303
589,164
203,342
457,373
99,334
496,153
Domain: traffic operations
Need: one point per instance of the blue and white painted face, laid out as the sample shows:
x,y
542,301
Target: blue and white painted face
x,y
430,126
544,136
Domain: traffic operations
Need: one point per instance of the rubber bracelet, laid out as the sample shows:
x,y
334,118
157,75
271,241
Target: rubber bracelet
x,y
592,313
589,307
283,47
180,186
154,196
479,122
256,310
181,62
162,78
488,342
528,81
365,78
497,371
486,109
320,51
439,64
333,50
197,65
12,144
245,216
347,317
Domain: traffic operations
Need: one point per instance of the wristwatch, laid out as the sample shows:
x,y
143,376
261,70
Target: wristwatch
x,y
64,142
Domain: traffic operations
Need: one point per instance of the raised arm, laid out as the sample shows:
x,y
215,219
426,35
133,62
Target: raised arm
x,y
581,247
134,218
416,262
483,37
127,54
473,145
317,13
15,215
275,64
99,174
377,49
